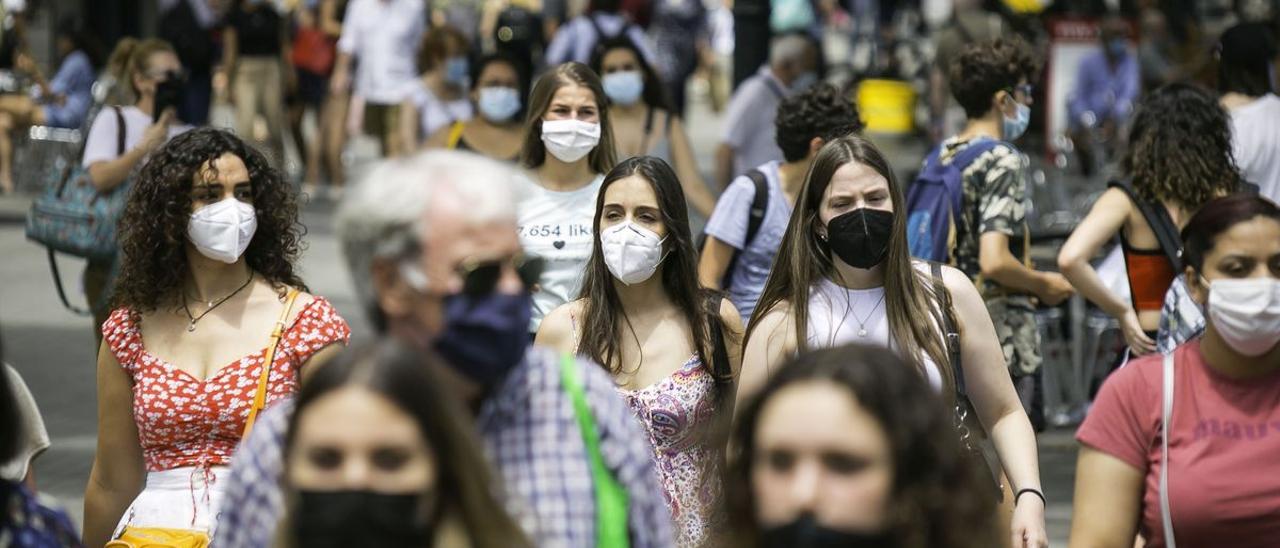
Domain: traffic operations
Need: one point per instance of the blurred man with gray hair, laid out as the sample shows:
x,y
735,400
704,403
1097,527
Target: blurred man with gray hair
x,y
431,243
748,132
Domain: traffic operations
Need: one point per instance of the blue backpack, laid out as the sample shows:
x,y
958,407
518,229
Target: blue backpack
x,y
934,199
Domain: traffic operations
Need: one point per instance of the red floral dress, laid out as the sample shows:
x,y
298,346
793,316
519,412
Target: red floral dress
x,y
183,421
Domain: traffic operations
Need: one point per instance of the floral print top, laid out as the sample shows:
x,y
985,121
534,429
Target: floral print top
x,y
183,421
679,414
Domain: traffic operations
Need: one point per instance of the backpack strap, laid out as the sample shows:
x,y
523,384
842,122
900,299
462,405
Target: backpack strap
x,y
961,161
950,331
595,25
119,131
1166,414
755,218
759,203
977,147
1161,223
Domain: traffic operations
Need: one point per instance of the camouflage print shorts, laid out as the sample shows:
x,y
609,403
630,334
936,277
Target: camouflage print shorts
x,y
1015,321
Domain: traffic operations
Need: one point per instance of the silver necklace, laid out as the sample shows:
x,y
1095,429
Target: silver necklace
x,y
211,304
862,323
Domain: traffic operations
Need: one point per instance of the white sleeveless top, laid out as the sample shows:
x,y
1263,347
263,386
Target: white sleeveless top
x,y
839,316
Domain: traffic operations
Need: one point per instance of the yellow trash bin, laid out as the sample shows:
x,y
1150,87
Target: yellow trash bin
x,y
887,106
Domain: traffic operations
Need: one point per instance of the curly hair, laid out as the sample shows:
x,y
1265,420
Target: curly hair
x,y
1180,148
986,68
937,500
153,229
820,111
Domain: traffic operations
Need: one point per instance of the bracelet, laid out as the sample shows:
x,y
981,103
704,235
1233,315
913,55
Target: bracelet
x,y
1035,492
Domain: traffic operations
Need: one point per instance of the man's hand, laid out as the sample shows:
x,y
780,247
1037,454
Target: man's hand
x,y
1054,289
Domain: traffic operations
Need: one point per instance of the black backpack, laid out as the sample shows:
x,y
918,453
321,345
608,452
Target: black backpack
x,y
755,217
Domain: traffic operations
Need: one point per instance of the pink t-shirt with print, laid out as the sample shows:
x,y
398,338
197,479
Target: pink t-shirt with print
x,y
1224,449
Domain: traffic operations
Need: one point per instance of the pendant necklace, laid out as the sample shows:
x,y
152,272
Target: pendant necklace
x,y
862,323
211,304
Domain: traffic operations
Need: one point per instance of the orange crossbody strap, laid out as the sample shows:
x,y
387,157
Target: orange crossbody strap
x,y
455,135
260,397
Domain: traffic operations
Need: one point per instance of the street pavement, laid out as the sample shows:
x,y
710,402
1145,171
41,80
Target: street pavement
x,y
53,349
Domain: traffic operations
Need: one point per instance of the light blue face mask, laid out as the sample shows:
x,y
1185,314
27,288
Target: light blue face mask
x,y
625,87
803,81
1015,127
456,70
498,104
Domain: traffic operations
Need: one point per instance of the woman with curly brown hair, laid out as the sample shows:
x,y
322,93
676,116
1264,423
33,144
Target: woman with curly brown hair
x,y
211,324
1179,159
849,447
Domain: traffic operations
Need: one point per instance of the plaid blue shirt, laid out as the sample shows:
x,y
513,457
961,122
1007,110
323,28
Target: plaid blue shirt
x,y
533,440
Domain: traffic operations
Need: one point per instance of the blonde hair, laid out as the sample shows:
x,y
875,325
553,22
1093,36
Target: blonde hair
x,y
130,58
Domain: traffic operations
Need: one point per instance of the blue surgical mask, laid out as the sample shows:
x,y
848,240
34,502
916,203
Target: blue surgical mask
x,y
456,70
1015,127
803,81
485,336
624,88
498,104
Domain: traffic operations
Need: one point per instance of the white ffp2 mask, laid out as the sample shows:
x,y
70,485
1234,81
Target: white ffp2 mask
x,y
570,140
632,253
222,230
1246,313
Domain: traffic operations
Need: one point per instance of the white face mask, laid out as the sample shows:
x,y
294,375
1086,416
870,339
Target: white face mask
x,y
1246,313
570,140
632,253
222,230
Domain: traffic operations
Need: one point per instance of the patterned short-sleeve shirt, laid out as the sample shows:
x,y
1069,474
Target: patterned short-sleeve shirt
x,y
995,200
183,421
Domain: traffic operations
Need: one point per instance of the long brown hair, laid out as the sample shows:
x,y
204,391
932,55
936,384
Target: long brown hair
x,y
936,499
803,260
534,153
604,320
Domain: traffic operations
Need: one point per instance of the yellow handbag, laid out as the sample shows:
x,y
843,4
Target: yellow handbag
x,y
160,537
166,537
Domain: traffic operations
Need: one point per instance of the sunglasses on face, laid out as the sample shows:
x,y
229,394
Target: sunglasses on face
x,y
480,277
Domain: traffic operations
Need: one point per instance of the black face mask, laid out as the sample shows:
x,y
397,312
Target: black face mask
x,y
336,519
860,237
806,532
